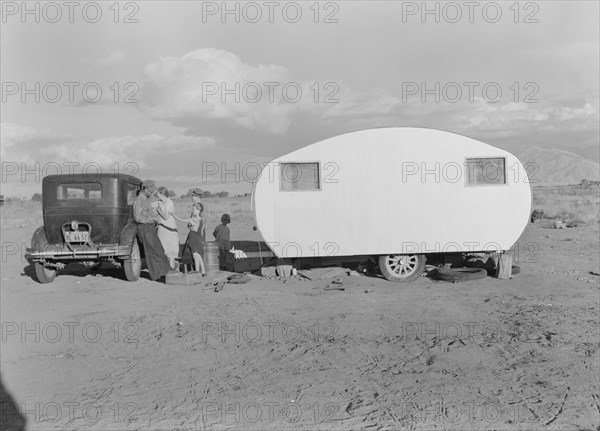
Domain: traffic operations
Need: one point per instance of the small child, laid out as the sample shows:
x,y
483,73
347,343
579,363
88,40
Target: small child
x,y
221,235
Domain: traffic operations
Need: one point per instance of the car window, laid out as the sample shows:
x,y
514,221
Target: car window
x,y
132,192
79,191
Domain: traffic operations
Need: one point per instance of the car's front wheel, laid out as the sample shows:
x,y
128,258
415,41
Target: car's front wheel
x,y
401,268
44,274
133,264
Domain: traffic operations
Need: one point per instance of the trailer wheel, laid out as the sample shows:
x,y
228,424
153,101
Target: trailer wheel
x,y
44,275
402,268
133,264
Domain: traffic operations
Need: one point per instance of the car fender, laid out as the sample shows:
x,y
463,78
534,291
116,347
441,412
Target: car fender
x,y
128,235
39,240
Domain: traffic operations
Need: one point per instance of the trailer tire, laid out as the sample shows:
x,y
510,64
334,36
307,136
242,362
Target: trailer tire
x,y
44,275
461,274
400,268
132,265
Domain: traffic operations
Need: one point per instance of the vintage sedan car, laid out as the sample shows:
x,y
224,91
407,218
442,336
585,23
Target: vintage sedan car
x,y
87,219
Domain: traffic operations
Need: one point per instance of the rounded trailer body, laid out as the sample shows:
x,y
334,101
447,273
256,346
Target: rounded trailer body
x,y
392,191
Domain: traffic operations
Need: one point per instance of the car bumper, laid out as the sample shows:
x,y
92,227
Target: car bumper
x,y
81,252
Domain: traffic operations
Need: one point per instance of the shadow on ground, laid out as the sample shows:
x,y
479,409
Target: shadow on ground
x,y
10,414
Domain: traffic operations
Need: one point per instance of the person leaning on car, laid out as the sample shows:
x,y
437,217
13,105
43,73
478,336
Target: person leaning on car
x,y
146,216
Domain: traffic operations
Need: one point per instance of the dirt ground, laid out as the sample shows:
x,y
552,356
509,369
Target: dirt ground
x,y
96,352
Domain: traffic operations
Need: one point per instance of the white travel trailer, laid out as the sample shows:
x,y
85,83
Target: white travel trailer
x,y
396,194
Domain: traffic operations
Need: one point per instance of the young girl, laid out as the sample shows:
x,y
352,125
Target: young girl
x,y
196,236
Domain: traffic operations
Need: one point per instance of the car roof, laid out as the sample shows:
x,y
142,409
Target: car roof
x,y
90,178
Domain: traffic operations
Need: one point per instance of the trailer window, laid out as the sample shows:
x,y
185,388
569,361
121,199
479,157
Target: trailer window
x,y
300,176
79,191
482,171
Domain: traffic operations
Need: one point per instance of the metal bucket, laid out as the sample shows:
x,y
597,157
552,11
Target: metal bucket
x,y
211,257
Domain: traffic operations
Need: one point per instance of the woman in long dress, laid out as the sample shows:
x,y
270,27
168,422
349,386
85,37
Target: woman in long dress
x,y
167,227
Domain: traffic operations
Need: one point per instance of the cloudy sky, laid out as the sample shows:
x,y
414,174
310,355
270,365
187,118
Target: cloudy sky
x,y
190,94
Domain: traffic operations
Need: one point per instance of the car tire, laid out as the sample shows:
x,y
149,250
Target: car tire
x,y
461,274
133,264
400,268
44,275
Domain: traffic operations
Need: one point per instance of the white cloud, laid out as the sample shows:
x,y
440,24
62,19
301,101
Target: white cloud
x,y
514,118
16,139
565,113
182,87
113,58
25,144
540,116
213,84
355,104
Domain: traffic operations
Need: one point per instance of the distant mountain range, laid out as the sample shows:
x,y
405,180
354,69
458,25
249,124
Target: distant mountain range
x,y
591,153
561,166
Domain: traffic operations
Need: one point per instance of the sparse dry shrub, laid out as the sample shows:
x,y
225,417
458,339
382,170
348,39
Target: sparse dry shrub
x,y
576,205
21,214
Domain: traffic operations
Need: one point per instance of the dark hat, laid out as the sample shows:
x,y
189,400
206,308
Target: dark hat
x,y
197,192
149,185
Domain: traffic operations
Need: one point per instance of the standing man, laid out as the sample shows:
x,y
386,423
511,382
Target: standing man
x,y
146,216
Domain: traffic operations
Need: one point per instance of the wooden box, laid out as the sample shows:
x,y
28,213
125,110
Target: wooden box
x,y
186,279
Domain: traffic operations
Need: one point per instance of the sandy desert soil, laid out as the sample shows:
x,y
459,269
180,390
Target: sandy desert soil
x,y
96,352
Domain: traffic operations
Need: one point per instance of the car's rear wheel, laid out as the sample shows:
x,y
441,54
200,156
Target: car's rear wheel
x,y
44,274
133,264
401,268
